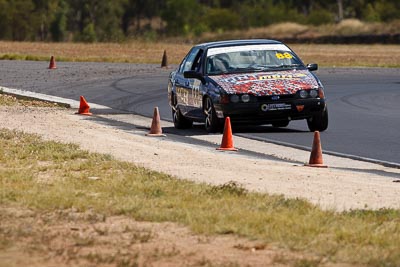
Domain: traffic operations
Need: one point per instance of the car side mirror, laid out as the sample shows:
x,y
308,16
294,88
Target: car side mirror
x,y
191,74
312,66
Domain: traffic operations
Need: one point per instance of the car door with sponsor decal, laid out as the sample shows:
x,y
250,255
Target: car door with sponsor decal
x,y
188,89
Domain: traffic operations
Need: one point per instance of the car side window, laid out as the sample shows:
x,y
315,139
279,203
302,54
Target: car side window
x,y
192,60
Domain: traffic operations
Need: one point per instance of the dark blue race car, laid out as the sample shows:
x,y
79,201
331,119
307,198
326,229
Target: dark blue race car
x,y
250,81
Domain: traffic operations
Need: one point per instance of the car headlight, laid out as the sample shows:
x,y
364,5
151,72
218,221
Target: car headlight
x,y
303,94
314,93
234,98
245,98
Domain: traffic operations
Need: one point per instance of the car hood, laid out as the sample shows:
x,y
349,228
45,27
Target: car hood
x,y
266,83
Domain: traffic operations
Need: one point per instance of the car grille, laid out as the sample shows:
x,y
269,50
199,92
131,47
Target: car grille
x,y
271,98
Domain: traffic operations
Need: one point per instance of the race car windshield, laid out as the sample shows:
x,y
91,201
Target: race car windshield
x,y
250,58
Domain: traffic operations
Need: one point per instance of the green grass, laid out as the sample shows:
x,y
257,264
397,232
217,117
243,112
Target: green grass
x,y
49,176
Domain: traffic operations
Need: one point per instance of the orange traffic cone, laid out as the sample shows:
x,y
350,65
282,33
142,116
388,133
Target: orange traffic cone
x,y
52,64
164,62
316,153
83,107
227,140
155,129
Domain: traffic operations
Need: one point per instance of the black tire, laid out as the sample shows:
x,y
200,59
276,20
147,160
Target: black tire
x,y
180,121
318,122
212,123
280,123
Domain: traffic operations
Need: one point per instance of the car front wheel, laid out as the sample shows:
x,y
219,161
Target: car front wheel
x,y
212,123
318,122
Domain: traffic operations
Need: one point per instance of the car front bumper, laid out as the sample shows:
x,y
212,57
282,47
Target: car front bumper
x,y
270,112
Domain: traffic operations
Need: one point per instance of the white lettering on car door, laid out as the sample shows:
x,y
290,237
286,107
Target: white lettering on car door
x,y
196,96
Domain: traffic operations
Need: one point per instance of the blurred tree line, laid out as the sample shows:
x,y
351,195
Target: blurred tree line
x,y
116,20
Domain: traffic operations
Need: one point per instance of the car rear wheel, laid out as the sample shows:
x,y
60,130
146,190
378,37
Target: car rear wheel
x,y
180,121
212,123
318,122
280,123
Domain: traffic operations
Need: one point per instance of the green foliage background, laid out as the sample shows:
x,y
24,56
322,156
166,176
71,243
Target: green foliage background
x,y
117,20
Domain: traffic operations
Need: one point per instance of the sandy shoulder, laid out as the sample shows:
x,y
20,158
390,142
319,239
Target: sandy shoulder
x,y
331,188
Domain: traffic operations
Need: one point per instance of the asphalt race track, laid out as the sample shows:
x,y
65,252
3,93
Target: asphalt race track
x,y
363,103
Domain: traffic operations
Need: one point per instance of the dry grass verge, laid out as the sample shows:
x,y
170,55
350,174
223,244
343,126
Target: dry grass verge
x,y
11,100
350,55
132,52
145,52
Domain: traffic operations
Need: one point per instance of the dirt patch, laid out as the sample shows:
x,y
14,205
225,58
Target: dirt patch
x,y
72,238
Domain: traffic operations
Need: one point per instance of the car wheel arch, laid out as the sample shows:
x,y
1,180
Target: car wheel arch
x,y
174,101
204,99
